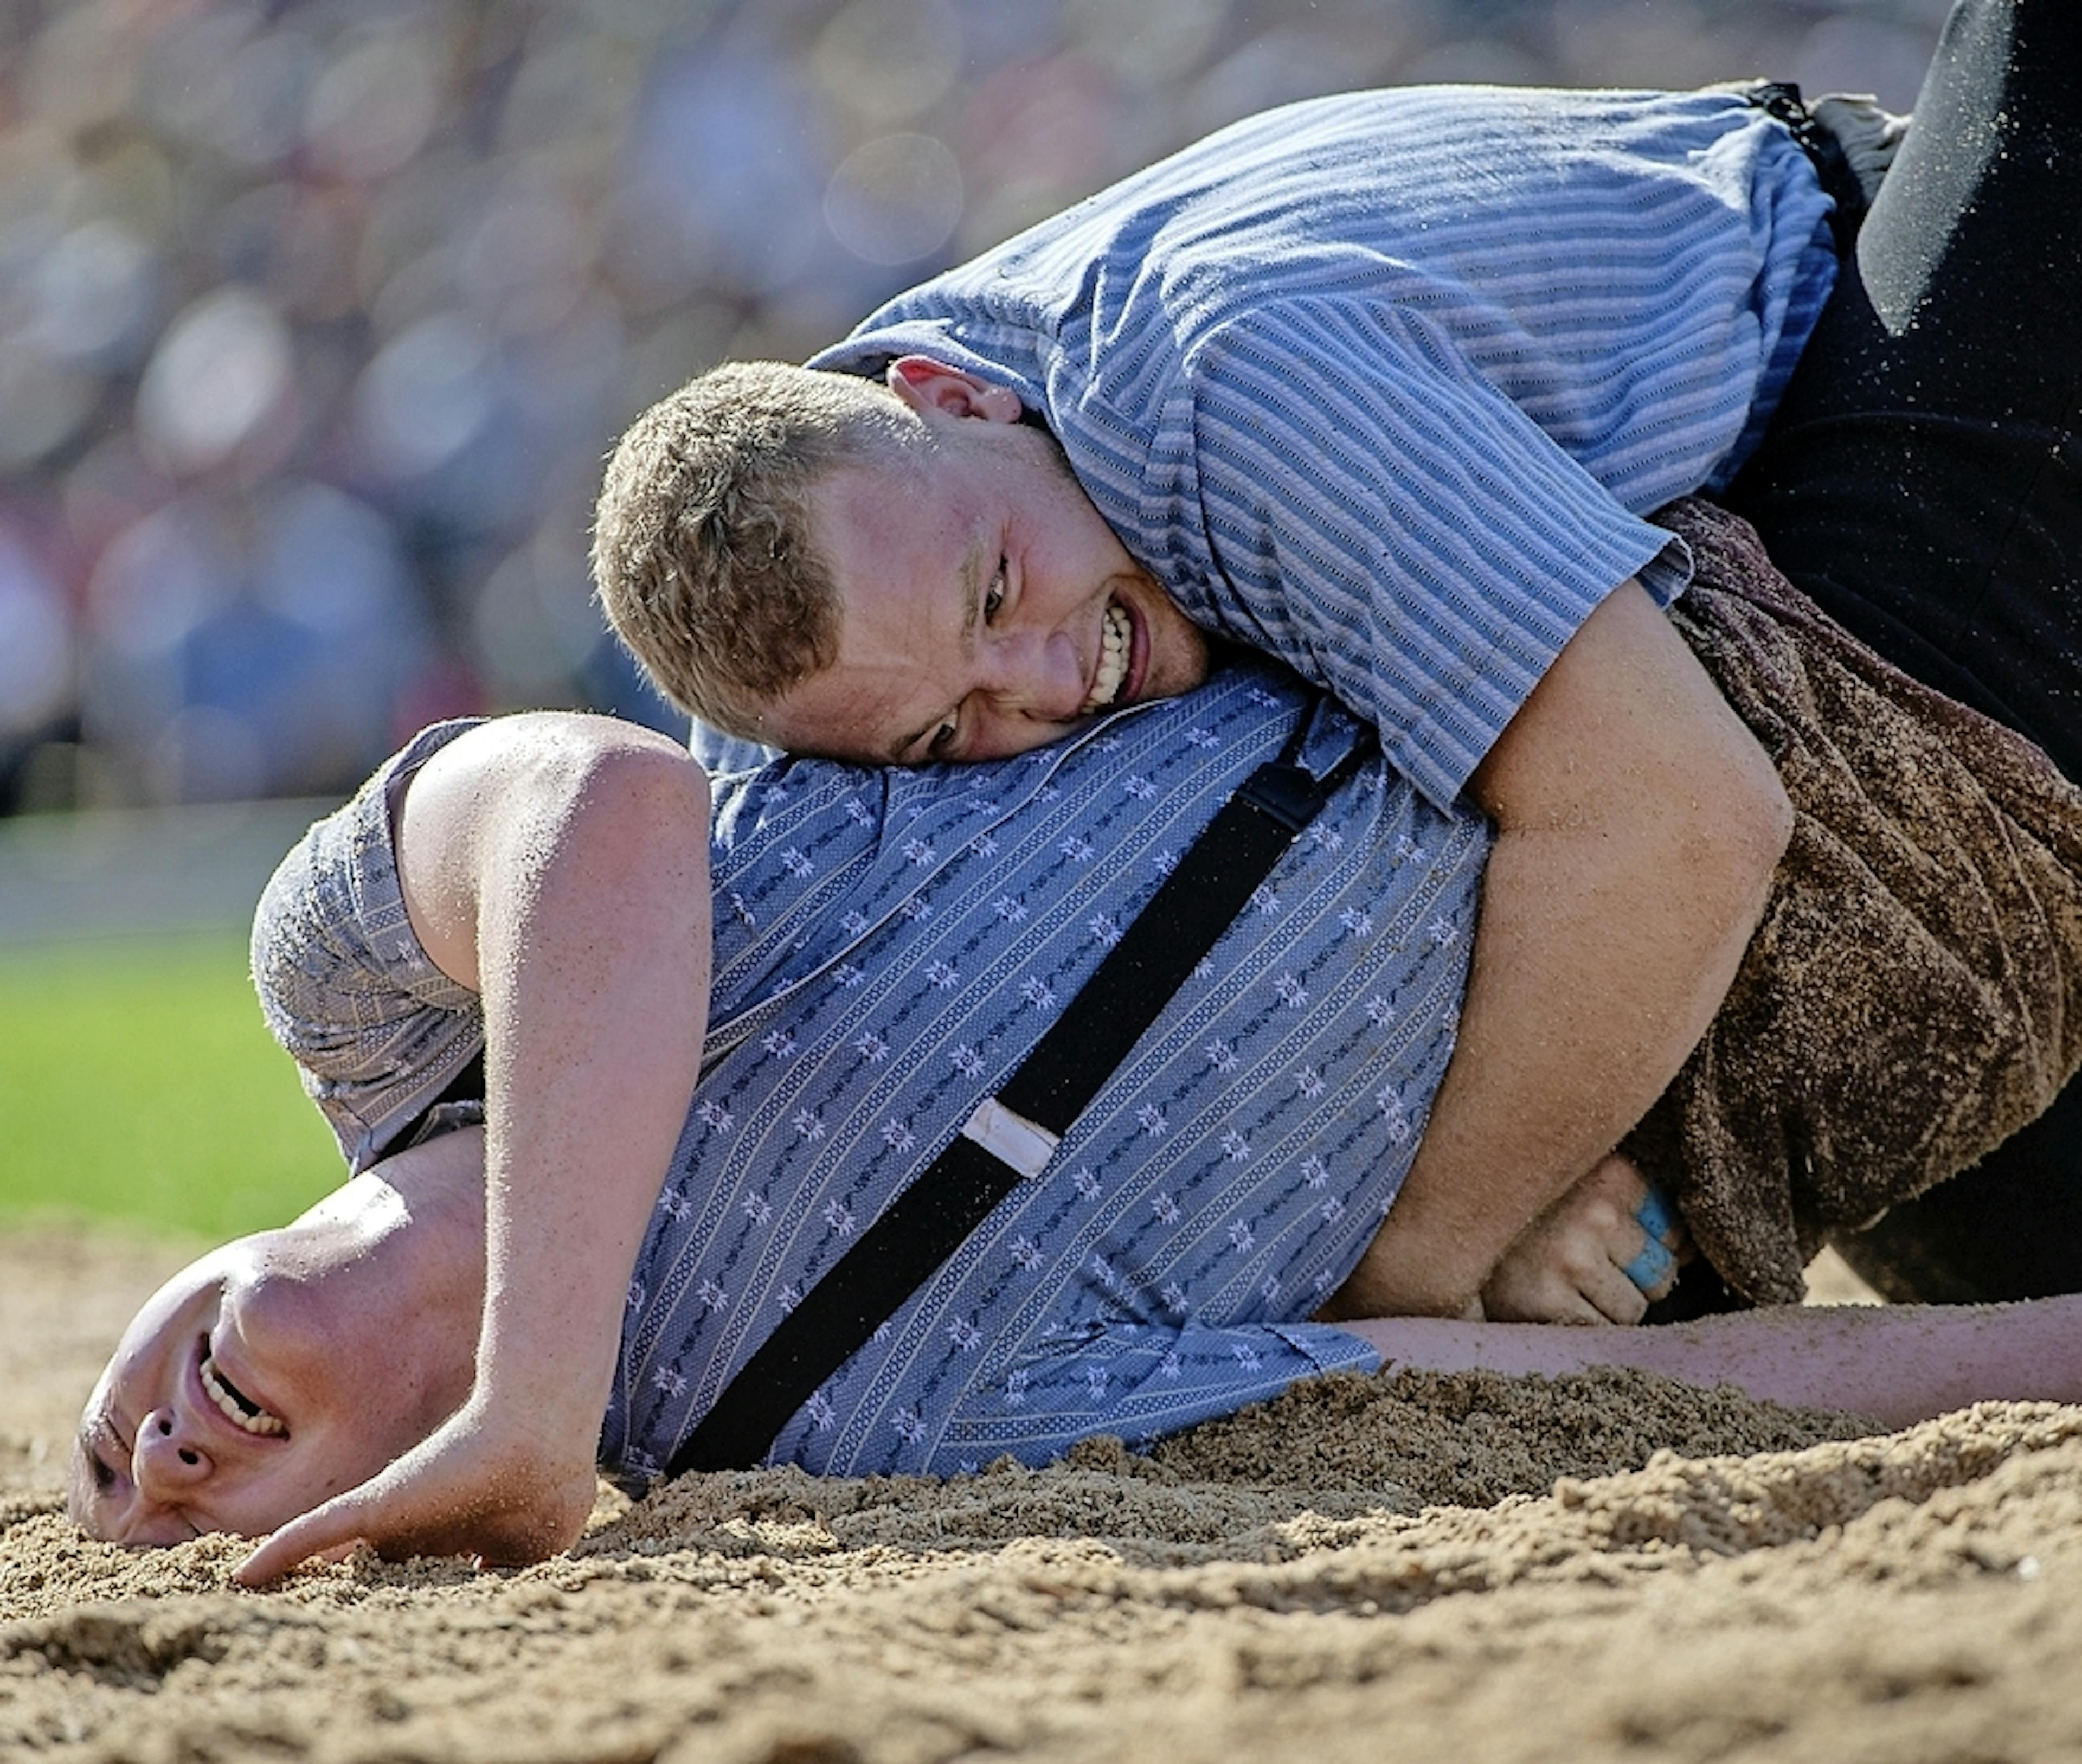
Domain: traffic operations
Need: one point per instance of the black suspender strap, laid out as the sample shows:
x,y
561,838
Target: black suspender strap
x,y
1010,1135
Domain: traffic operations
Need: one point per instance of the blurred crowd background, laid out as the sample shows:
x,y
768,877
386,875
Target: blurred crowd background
x,y
318,316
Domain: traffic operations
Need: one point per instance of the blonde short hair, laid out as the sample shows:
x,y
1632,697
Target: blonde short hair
x,y
702,556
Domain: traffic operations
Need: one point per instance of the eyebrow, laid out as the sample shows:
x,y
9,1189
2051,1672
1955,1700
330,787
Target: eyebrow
x,y
972,580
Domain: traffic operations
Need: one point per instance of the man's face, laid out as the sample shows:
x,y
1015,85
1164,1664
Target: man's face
x,y
986,605
234,1402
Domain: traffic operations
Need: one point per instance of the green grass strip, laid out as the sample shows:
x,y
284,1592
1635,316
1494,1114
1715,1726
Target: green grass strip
x,y
138,1084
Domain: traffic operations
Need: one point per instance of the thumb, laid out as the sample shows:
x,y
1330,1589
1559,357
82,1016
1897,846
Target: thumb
x,y
332,1530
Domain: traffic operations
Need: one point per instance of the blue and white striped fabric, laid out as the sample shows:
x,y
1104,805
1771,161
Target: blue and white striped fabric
x,y
1381,383
890,945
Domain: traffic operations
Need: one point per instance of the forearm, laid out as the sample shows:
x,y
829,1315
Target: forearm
x,y
1629,869
1895,1364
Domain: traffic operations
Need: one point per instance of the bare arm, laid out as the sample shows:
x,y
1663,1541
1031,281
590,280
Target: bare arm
x,y
1895,1364
558,865
1638,825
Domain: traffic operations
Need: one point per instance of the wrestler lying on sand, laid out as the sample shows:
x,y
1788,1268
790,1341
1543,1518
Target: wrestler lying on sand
x,y
438,1356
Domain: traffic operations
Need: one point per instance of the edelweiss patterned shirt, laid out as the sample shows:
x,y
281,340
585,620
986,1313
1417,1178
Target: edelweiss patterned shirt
x,y
1381,383
889,944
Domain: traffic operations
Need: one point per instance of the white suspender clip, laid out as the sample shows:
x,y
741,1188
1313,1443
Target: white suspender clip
x,y
1012,1139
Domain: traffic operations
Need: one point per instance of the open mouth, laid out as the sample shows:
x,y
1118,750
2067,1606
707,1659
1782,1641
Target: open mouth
x,y
1116,655
237,1407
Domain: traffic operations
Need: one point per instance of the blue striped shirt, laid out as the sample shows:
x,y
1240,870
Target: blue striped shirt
x,y
1382,383
889,945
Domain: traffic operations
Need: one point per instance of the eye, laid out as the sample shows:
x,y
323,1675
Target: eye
x,y
942,741
994,595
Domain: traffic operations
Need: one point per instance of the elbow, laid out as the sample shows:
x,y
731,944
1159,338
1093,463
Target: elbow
x,y
1744,829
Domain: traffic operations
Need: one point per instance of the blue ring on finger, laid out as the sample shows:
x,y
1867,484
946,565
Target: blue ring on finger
x,y
1655,1215
1652,1267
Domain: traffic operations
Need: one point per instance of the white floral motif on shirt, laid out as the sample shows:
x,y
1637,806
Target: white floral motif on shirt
x,y
1086,1183
1321,1282
839,1217
1333,1209
1038,993
1408,849
1197,737
808,1125
852,924
965,1335
1246,1356
1139,787
871,1048
1026,1253
714,1115
1221,1056
1391,1106
1263,898
1151,1118
942,975
1204,968
789,1298
967,1061
636,1295
1169,1365
1263,700
1096,1380
1012,911
1241,1237
1309,1082
882,1332
1443,931
758,1210
845,974
796,864
1360,923
1165,862
1174,1296
737,906
780,1043
918,852
1314,1171
674,1203
711,1295
1234,1147
897,1136
914,909
1078,851
669,1380
1103,929
1015,1389
1165,1208
1325,838
1379,1012
857,813
1104,1273
909,1425
822,1414
983,846
1293,993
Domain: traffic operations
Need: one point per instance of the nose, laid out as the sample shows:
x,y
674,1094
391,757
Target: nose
x,y
168,1460
1035,674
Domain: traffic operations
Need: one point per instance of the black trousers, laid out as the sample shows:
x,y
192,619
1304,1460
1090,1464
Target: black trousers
x,y
1923,481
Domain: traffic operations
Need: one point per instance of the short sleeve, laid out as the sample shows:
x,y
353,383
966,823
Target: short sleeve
x,y
1372,511
376,1029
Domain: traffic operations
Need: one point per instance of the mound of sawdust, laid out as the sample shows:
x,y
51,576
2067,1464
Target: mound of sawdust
x,y
1598,1567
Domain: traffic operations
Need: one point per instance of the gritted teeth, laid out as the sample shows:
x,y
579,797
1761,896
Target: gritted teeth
x,y
1116,641
240,1410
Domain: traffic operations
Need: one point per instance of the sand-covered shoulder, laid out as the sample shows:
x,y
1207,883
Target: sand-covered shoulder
x,y
1608,1567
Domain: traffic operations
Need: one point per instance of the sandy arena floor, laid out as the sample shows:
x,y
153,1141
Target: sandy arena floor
x,y
1463,1568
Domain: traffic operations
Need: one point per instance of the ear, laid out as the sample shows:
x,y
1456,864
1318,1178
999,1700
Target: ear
x,y
927,386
